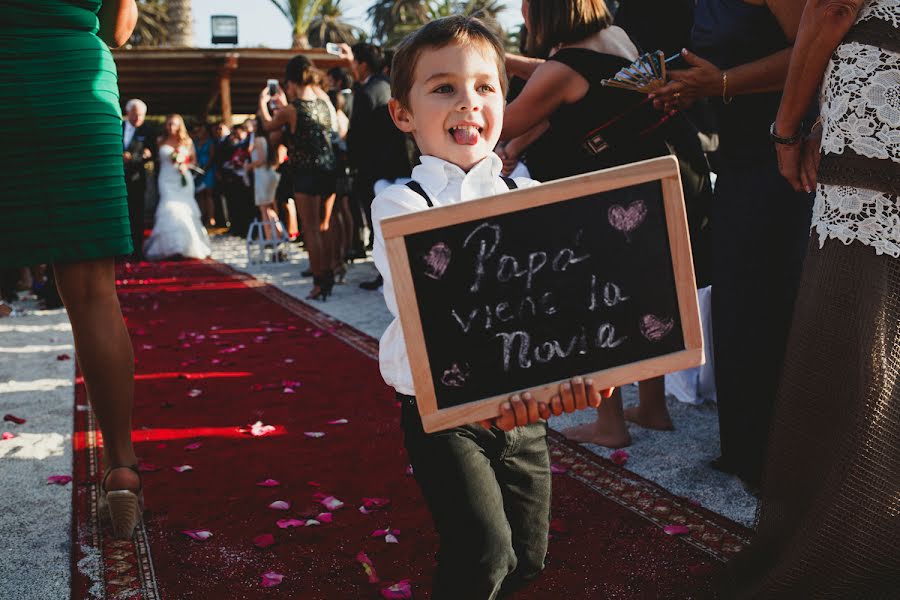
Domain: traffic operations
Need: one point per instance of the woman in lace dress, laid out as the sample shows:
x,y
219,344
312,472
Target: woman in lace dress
x,y
829,517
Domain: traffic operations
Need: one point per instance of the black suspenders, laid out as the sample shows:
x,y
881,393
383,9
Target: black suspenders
x,y
414,186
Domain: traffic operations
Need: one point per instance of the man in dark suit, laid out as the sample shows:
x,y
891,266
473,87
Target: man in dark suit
x,y
138,151
376,148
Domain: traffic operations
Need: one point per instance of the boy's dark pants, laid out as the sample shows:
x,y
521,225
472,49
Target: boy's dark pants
x,y
489,495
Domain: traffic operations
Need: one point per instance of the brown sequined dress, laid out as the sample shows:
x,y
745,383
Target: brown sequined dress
x,y
829,516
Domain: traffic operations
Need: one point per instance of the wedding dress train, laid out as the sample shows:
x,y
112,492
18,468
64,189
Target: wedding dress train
x,y
177,230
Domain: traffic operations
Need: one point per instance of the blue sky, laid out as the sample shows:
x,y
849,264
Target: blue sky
x,y
260,23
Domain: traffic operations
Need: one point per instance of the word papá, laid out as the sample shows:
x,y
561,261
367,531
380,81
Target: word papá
x,y
542,294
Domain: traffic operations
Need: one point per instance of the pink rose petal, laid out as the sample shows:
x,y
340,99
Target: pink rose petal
x,y
285,523
315,484
269,483
201,535
391,539
288,390
288,361
264,541
311,522
146,467
399,591
620,457
314,434
409,470
271,579
338,422
8,436
676,529
280,505
59,479
14,419
368,567
182,468
63,357
325,517
331,503
557,469
193,446
194,393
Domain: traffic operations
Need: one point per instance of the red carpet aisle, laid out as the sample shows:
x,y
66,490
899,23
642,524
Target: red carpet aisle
x,y
222,358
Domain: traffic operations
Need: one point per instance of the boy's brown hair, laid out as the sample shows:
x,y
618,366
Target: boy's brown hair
x,y
555,22
438,34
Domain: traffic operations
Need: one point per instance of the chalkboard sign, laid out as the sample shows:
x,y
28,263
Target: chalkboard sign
x,y
589,275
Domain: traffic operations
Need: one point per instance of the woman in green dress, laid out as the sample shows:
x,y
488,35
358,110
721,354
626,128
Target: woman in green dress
x,y
63,200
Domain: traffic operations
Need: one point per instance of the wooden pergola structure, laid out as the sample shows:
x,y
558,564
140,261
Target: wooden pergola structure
x,y
201,81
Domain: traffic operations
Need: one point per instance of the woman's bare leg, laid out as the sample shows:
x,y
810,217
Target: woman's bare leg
x,y
652,412
271,214
264,216
328,233
309,208
105,356
609,429
290,209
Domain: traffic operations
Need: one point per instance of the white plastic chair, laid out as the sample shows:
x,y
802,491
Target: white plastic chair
x,y
261,250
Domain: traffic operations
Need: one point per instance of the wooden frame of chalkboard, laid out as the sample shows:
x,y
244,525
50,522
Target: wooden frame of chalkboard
x,y
605,200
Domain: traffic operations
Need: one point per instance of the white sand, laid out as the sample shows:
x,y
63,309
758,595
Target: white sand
x,y
35,518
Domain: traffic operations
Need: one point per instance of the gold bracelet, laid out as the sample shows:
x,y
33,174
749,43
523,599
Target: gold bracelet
x,y
726,99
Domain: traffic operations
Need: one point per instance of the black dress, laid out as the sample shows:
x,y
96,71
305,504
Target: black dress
x,y
760,231
611,126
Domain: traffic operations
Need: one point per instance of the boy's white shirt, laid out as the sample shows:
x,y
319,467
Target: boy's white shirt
x,y
445,183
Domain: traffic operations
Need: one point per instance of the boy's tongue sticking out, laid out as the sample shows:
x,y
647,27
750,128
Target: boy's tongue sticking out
x,y
465,135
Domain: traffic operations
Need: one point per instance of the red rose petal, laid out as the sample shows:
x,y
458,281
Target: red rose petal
x,y
264,541
201,535
620,457
269,483
14,419
59,479
63,357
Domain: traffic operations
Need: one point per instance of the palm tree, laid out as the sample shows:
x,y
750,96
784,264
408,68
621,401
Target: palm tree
x,y
181,23
152,27
393,19
327,26
300,14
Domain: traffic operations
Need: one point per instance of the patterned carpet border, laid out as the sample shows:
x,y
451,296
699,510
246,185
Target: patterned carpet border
x,y
105,568
711,533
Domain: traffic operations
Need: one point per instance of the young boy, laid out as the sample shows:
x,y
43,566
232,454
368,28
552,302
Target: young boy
x,y
487,485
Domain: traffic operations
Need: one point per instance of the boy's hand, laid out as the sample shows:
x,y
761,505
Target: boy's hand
x,y
523,409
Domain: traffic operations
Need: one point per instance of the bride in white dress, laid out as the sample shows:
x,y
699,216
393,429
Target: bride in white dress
x,y
177,230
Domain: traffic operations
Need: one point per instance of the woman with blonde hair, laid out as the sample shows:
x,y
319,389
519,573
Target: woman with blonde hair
x,y
177,229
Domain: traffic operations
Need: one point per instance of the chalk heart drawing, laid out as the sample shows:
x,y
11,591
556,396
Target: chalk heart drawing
x,y
455,376
437,260
628,219
654,329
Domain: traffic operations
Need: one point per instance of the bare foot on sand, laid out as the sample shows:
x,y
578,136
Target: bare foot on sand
x,y
600,434
649,420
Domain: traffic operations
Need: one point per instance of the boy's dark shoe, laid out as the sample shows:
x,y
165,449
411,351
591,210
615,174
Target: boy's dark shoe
x,y
373,284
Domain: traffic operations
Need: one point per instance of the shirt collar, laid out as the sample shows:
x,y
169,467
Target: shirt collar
x,y
435,174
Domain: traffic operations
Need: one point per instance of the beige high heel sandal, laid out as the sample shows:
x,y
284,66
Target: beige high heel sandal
x,y
125,506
